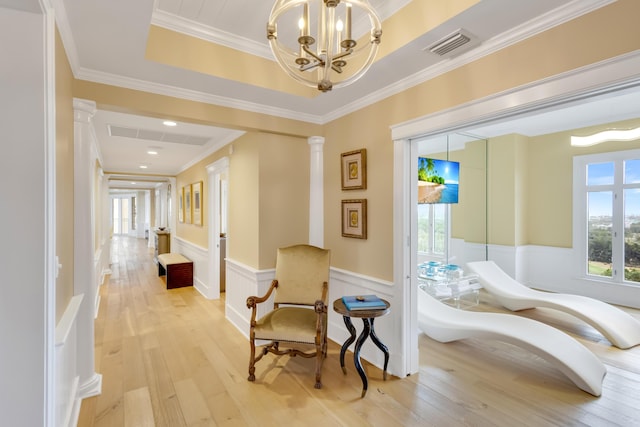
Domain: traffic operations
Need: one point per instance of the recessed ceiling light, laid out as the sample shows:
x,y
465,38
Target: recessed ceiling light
x,y
143,166
152,152
169,123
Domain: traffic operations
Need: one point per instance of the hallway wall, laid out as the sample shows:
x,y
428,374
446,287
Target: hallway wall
x,y
25,329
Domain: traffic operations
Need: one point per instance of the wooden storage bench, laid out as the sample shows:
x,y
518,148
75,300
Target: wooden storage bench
x,y
177,268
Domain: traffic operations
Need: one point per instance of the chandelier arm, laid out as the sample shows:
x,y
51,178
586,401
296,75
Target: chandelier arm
x,y
356,77
342,54
312,53
310,66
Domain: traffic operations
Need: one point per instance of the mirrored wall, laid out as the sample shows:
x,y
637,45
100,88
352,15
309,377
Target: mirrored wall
x,y
452,199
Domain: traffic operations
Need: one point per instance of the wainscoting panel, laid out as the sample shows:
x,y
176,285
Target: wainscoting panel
x,y
66,380
555,270
244,281
200,258
343,282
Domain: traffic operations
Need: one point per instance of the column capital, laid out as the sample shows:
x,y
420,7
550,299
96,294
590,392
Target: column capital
x,y
316,140
83,110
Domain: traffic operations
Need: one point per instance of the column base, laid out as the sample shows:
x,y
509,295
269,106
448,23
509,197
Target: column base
x,y
91,387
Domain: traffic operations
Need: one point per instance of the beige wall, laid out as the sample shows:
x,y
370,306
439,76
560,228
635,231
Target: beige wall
x,y
244,195
283,203
501,191
572,45
268,197
469,216
550,181
565,48
64,178
368,128
196,234
114,98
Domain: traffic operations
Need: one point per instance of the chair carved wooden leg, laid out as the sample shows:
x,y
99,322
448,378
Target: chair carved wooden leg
x,y
319,360
252,362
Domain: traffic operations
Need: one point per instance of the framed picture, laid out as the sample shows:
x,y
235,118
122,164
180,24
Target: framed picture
x,y
353,170
354,218
196,203
181,205
187,204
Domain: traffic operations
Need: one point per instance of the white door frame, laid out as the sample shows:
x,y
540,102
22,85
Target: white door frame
x,y
567,88
215,170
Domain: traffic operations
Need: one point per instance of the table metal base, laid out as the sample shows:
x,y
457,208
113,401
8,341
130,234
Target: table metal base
x,y
366,332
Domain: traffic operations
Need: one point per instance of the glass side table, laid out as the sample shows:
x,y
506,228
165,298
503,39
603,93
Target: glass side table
x,y
463,292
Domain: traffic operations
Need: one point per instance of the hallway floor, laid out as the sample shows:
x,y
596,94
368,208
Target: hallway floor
x,y
170,358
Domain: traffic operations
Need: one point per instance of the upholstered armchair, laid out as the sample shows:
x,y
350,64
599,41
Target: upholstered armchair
x,y
299,314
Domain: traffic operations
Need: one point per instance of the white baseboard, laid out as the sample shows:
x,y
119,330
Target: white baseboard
x,y
92,387
200,257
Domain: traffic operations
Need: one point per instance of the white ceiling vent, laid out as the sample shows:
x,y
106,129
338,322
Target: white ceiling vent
x,y
153,135
449,43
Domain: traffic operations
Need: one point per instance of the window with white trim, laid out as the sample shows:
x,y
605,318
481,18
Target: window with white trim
x,y
607,215
433,224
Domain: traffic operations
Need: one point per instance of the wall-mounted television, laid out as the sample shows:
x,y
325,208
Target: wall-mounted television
x,y
437,180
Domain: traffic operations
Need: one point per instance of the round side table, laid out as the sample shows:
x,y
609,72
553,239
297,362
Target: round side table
x,y
367,317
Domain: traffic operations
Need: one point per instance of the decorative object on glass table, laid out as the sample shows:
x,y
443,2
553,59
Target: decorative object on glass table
x,y
434,270
452,287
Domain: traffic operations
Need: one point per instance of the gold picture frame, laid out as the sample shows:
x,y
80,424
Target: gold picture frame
x,y
196,203
187,204
354,218
181,205
353,170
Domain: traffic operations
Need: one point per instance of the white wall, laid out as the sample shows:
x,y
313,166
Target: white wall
x,y
23,186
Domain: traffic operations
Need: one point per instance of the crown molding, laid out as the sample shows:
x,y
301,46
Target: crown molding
x,y
186,26
66,35
538,25
192,95
609,76
544,22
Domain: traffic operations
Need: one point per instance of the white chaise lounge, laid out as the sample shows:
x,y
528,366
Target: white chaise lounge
x,y
445,324
620,328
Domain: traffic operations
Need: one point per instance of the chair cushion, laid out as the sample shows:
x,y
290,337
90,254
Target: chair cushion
x,y
288,324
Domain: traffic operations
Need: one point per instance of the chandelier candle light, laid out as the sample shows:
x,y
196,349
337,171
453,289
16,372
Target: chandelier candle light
x,y
329,57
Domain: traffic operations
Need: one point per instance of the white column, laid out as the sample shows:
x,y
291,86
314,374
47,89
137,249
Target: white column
x,y
316,192
84,246
104,216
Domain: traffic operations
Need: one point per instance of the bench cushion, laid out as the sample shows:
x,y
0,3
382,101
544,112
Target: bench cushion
x,y
172,258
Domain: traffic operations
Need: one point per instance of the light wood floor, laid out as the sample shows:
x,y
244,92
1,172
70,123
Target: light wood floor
x,y
170,358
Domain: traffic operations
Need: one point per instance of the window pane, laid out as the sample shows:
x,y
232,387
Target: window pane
x,y
116,215
124,215
600,173
600,212
432,227
439,228
423,228
632,234
632,171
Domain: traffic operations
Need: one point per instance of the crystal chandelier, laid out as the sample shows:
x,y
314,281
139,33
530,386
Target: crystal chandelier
x,y
327,56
